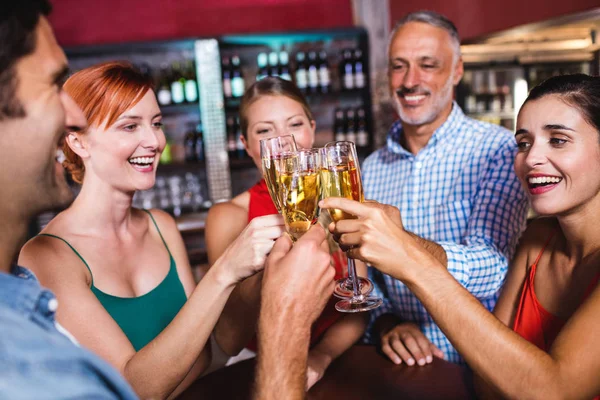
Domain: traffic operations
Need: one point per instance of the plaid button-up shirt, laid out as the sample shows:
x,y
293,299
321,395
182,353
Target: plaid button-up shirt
x,y
459,191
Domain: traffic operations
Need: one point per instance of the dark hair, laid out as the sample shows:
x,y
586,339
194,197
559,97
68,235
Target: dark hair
x,y
18,20
103,92
270,86
432,18
577,90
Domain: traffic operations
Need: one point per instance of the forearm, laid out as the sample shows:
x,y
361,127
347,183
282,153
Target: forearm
x,y
237,323
159,368
283,350
509,363
432,248
339,337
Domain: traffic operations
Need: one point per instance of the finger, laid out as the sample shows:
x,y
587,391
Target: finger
x,y
388,351
397,345
436,351
347,225
316,233
350,239
347,205
272,232
424,345
267,220
281,247
413,347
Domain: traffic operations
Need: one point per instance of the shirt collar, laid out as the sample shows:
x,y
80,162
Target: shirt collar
x,y
454,120
19,290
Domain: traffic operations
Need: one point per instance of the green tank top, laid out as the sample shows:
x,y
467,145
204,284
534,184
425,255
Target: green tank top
x,y
142,318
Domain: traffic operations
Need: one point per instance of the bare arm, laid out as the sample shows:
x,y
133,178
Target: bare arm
x,y
287,312
509,363
236,326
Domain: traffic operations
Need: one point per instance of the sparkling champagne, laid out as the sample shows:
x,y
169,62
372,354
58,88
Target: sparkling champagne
x,y
300,198
342,181
271,175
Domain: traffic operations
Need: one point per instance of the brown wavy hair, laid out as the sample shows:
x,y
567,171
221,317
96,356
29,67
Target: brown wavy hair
x,y
104,92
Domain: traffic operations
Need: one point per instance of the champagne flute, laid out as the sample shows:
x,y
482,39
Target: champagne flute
x,y
340,177
271,152
300,186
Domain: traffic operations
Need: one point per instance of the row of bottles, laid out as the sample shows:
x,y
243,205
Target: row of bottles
x,y
350,124
488,91
176,83
312,71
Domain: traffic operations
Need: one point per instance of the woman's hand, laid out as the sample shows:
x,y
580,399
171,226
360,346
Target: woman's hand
x,y
317,365
405,342
247,254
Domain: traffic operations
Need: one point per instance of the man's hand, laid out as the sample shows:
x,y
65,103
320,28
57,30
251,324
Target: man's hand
x,y
405,342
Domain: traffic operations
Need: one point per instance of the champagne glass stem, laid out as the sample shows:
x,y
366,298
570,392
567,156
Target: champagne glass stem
x,y
353,278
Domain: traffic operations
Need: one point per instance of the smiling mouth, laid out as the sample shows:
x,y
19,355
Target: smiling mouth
x,y
542,181
142,161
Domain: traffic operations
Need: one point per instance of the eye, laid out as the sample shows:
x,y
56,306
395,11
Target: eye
x,y
428,66
262,131
557,141
297,124
130,127
397,67
158,124
523,145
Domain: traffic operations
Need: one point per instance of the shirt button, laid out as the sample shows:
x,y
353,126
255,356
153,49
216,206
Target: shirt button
x,y
418,165
52,305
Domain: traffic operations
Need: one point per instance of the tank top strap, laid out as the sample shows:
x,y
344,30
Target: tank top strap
x,y
537,260
74,251
158,230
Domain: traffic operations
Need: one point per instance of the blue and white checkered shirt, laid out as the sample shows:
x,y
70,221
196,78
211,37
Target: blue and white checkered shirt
x,y
459,191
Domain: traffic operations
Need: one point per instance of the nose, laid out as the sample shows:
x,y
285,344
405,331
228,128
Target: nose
x,y
411,78
74,118
152,138
535,156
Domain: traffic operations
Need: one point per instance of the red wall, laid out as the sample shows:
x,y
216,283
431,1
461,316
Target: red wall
x,y
79,22
477,17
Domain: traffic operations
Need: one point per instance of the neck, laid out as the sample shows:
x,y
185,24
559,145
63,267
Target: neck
x,y
416,137
13,231
580,229
102,208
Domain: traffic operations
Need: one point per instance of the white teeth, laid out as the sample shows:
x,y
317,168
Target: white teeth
x,y
414,98
60,156
141,160
544,179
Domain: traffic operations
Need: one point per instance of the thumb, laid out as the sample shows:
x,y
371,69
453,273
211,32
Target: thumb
x,y
281,247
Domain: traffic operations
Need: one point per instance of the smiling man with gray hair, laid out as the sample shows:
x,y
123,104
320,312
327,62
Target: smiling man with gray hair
x,y
451,178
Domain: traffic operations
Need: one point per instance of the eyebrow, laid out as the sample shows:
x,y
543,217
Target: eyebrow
x,y
60,76
547,127
136,117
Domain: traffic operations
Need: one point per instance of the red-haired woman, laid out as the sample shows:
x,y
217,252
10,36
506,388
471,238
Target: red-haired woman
x,y
121,274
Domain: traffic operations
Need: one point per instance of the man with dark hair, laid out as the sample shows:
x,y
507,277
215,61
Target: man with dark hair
x,y
452,179
39,359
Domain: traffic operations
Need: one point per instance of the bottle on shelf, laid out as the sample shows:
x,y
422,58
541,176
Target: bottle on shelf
x,y
313,72
166,157
190,87
359,74
231,150
163,93
324,79
239,145
189,143
301,73
362,136
347,70
284,66
177,84
237,78
350,126
338,125
199,142
273,64
263,71
226,69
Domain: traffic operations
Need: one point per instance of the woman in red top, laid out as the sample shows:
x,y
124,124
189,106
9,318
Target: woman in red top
x,y
273,107
543,340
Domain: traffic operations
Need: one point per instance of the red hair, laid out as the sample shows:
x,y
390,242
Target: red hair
x,y
104,92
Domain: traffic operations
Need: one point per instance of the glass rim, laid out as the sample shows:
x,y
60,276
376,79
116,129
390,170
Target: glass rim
x,y
277,137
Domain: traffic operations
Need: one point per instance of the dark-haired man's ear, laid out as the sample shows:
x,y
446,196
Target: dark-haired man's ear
x,y
75,143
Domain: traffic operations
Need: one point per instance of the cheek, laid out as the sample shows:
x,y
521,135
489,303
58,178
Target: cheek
x,y
305,138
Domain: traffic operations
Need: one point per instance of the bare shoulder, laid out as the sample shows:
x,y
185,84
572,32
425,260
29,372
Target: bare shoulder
x,y
166,223
538,231
226,213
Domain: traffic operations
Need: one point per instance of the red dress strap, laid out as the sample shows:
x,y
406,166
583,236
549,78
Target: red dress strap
x,y
260,201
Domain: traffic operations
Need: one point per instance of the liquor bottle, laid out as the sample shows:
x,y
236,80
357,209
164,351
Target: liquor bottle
x,y
191,87
347,70
226,68
163,93
237,79
262,66
231,137
324,80
239,145
359,74
338,125
273,64
301,73
284,66
362,137
177,82
189,144
350,126
199,136
313,72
